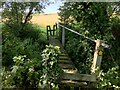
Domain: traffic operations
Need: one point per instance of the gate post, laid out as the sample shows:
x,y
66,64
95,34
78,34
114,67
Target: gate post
x,y
47,31
97,58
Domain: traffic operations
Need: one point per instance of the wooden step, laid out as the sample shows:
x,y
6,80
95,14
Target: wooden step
x,y
63,54
73,83
70,70
67,66
65,61
64,57
78,77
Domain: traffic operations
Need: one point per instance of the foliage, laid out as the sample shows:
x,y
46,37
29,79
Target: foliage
x,y
88,17
25,43
97,21
6,78
19,36
81,54
50,69
110,79
31,45
33,73
25,73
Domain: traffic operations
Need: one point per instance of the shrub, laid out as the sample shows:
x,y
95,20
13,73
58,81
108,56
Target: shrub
x,y
34,73
17,47
25,73
51,71
30,44
109,80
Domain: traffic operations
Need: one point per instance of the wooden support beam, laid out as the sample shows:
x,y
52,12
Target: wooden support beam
x,y
97,58
78,77
63,36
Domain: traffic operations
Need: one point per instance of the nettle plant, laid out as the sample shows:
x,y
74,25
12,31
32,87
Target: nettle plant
x,y
50,68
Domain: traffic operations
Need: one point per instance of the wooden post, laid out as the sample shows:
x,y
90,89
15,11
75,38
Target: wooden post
x,y
58,31
48,28
47,31
50,32
63,36
97,58
54,30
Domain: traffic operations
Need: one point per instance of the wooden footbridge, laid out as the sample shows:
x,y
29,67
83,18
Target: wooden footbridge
x,y
71,78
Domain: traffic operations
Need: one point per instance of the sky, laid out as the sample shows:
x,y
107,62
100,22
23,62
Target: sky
x,y
53,8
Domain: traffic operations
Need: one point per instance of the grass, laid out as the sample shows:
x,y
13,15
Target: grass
x,y
42,29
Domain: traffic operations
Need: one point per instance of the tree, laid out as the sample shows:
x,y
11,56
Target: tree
x,y
93,17
17,14
16,28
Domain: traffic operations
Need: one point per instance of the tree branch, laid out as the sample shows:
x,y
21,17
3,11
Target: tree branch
x,y
26,18
28,15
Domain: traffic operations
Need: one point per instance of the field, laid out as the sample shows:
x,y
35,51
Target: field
x,y
45,19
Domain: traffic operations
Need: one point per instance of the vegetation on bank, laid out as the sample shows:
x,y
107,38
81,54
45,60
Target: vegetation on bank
x,y
24,49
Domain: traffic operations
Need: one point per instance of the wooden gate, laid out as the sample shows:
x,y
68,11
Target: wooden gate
x,y
51,31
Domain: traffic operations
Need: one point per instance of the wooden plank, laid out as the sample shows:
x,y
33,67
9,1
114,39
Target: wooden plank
x,y
66,61
50,30
79,77
70,70
67,66
73,83
64,57
63,54
56,42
